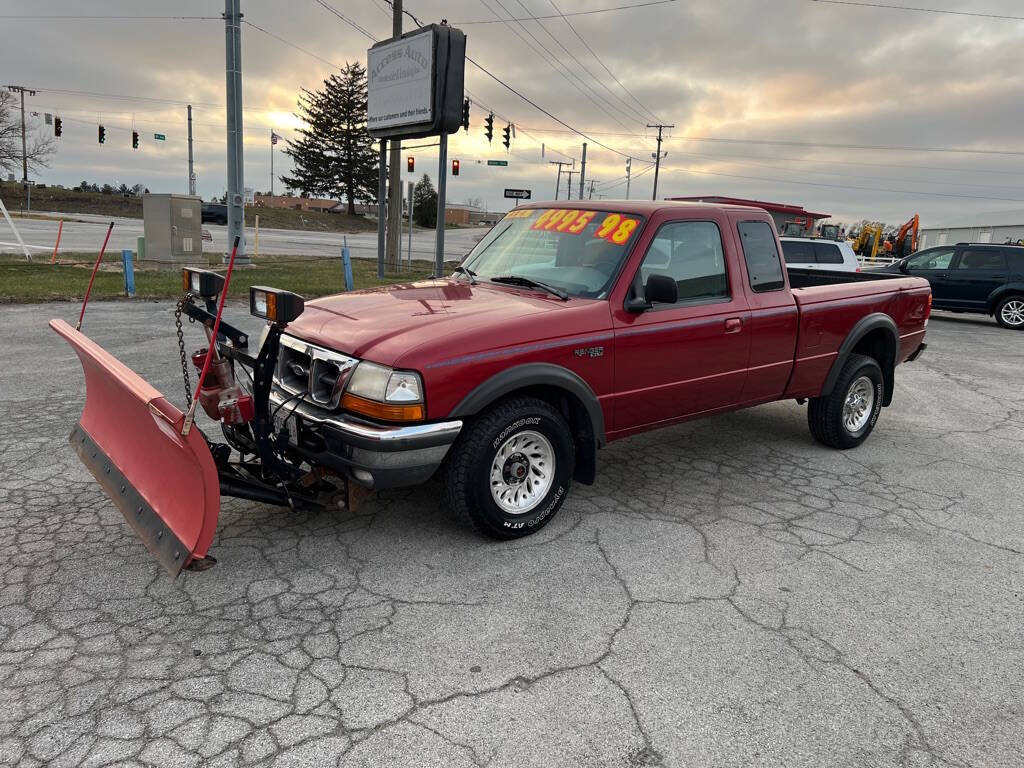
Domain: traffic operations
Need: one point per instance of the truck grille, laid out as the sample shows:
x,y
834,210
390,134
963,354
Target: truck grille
x,y
304,367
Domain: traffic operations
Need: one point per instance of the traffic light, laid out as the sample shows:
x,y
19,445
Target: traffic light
x,y
57,127
102,134
465,115
508,136
489,126
410,163
455,167
135,139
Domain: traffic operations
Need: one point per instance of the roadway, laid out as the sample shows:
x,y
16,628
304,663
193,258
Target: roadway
x,y
86,231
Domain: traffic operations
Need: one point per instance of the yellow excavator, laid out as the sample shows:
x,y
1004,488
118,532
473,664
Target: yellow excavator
x,y
868,241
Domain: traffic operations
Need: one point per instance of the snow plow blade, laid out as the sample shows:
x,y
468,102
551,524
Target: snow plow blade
x,y
129,438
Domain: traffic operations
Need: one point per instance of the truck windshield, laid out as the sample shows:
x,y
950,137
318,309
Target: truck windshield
x,y
576,251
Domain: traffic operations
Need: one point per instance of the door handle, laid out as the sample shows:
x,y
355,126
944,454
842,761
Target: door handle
x,y
733,325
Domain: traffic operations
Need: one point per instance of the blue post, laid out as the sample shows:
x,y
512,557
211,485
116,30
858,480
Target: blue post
x,y
346,259
129,273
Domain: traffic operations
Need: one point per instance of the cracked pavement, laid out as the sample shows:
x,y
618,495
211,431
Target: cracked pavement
x,y
728,593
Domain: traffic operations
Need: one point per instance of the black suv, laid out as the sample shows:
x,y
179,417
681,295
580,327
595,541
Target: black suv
x,y
216,213
972,277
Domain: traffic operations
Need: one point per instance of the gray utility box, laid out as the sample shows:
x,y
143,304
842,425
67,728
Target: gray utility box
x,y
173,225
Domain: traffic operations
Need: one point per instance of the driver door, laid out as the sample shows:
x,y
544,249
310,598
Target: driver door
x,y
675,360
934,266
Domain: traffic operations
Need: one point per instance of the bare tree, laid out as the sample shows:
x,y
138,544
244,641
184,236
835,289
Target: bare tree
x,y
475,202
38,146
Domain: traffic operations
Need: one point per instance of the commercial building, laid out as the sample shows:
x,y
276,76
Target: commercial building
x,y
781,213
989,227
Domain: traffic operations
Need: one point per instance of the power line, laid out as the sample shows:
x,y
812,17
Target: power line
x,y
844,186
572,13
940,11
882,147
63,17
601,61
291,44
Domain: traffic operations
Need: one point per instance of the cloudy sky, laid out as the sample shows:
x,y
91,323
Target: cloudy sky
x,y
734,76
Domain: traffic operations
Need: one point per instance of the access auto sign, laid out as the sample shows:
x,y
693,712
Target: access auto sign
x,y
414,84
399,80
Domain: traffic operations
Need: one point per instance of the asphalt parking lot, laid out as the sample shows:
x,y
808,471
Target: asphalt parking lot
x,y
729,593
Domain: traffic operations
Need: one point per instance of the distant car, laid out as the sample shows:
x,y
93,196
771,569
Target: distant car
x,y
815,253
216,213
972,277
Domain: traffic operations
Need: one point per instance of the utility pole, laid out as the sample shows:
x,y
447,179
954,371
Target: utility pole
x,y
568,194
233,74
592,183
629,162
558,182
583,168
658,156
24,152
394,225
191,170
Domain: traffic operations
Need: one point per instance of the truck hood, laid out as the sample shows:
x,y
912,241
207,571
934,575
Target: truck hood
x,y
387,324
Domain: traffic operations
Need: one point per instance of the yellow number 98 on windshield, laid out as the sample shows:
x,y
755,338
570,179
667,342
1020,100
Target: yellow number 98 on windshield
x,y
616,229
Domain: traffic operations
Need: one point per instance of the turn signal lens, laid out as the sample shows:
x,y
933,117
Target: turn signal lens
x,y
382,411
928,308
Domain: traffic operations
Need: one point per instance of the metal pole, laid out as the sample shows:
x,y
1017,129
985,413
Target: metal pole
x,y
233,74
583,168
394,230
442,179
382,193
629,162
271,165
411,206
191,169
24,152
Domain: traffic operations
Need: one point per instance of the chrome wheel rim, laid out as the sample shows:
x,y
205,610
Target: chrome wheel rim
x,y
522,472
860,401
1013,312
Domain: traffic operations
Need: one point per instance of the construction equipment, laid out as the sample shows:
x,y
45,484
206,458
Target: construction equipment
x,y
829,232
905,242
868,241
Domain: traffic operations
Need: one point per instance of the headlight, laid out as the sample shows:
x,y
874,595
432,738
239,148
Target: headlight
x,y
378,391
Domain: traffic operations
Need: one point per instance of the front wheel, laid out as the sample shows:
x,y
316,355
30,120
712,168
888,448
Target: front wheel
x,y
845,418
510,469
1010,312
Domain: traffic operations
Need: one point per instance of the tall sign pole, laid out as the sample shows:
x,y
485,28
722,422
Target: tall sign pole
x,y
442,186
233,76
394,229
191,168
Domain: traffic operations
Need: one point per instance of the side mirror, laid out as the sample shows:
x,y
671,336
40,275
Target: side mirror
x,y
903,266
661,289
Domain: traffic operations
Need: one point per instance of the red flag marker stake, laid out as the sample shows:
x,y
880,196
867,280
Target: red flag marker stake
x,y
60,228
95,267
190,416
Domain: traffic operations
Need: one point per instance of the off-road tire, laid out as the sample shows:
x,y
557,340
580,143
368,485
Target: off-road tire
x,y
467,470
825,414
1002,305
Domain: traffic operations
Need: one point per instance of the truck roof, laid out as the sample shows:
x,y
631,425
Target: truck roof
x,y
640,207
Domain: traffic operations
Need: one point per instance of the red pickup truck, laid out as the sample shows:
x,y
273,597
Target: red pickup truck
x,y
567,326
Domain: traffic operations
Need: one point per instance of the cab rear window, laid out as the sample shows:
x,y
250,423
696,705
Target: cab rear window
x,y
764,270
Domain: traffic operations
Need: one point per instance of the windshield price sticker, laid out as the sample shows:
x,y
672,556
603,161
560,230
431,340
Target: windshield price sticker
x,y
615,228
523,213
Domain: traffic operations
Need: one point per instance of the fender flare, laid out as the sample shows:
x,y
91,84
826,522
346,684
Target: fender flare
x,y
1016,287
863,327
532,375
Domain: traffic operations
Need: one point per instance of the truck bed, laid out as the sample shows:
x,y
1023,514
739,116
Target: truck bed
x,y
806,278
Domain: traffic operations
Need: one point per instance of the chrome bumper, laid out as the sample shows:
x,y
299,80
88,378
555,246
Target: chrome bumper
x,y
373,455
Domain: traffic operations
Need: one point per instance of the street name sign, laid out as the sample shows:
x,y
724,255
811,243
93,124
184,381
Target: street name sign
x,y
159,137
497,162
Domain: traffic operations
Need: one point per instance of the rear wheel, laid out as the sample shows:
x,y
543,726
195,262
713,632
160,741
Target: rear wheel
x,y
510,469
1010,312
845,418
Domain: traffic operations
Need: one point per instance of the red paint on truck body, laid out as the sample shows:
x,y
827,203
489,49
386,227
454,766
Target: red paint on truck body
x,y
647,369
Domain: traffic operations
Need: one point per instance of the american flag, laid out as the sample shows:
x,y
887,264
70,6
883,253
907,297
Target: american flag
x,y
274,137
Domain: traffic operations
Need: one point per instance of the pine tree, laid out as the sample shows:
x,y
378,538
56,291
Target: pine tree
x,y
334,156
424,198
